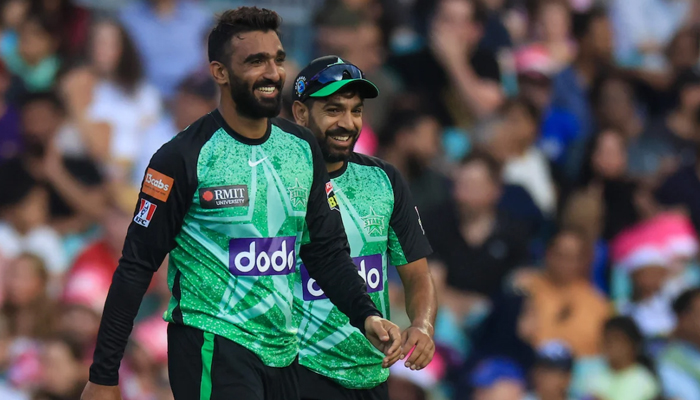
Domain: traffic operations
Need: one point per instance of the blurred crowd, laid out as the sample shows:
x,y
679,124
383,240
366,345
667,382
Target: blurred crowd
x,y
552,147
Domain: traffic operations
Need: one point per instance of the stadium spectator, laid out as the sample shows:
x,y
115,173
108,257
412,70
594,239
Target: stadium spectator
x,y
73,20
10,141
524,164
460,81
552,28
24,217
551,374
167,30
498,378
473,229
593,36
26,306
120,95
682,190
63,373
34,57
559,127
643,28
628,374
73,181
679,363
196,96
567,305
605,172
411,142
584,212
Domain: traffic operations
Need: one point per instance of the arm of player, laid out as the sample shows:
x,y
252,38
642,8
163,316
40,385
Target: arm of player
x,y
421,307
327,258
408,249
165,197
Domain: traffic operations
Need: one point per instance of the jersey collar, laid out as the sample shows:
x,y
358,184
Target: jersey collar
x,y
222,123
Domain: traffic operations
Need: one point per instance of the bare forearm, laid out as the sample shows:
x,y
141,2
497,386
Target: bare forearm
x,y
481,97
96,136
421,300
79,197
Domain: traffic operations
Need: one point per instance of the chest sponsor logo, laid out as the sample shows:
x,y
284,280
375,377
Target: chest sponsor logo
x,y
262,256
369,268
157,185
145,213
223,196
332,200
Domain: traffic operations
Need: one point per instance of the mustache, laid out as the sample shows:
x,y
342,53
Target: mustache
x,y
268,82
342,132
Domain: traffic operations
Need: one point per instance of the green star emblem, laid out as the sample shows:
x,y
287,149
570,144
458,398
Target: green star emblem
x,y
373,223
297,194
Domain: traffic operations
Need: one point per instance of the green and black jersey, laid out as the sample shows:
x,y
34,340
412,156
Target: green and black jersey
x,y
232,211
383,227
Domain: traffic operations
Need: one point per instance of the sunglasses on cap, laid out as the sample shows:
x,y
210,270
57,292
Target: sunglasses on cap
x,y
332,73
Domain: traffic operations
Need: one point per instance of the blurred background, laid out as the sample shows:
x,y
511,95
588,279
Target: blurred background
x,y
551,146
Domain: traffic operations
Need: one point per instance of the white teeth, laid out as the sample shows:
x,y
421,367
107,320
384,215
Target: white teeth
x,y
341,138
267,89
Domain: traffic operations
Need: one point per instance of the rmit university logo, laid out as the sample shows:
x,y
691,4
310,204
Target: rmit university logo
x,y
262,256
224,196
369,268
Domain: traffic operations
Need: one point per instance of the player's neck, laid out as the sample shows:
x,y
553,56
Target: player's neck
x,y
250,128
332,167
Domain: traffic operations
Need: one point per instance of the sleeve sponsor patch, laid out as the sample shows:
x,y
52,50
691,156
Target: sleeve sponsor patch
x,y
145,213
157,185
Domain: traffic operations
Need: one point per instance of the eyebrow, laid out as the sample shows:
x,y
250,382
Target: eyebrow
x,y
264,56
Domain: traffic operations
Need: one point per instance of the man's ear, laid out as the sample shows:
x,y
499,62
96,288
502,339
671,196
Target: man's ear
x,y
301,113
218,72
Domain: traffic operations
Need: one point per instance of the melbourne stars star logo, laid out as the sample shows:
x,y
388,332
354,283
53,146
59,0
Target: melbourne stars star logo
x,y
373,223
297,194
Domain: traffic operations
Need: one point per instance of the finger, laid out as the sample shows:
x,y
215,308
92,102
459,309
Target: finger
x,y
391,359
409,343
380,331
396,341
405,336
425,359
420,348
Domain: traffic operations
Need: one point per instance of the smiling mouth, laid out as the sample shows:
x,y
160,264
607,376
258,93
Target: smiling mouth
x,y
341,138
266,89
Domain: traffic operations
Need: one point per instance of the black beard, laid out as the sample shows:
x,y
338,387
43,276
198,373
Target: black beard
x,y
330,155
248,105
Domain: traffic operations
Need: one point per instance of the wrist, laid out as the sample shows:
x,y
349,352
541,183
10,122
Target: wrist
x,y
424,326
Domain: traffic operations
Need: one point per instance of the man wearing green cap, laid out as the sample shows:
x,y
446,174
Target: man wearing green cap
x,y
383,227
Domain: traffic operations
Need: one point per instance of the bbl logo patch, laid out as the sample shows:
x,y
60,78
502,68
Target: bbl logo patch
x,y
300,85
332,201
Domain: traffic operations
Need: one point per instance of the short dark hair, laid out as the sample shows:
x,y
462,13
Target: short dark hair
x,y
529,107
492,164
232,22
16,182
48,97
581,22
683,302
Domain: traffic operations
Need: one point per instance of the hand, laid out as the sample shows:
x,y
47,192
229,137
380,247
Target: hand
x,y
449,50
420,340
385,336
76,88
94,391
